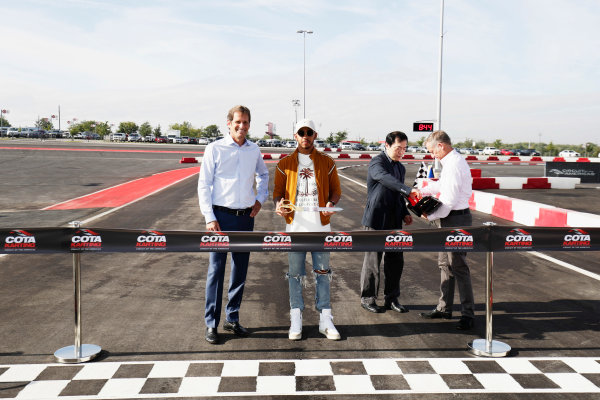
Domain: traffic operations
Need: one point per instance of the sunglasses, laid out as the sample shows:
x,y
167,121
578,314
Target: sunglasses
x,y
308,132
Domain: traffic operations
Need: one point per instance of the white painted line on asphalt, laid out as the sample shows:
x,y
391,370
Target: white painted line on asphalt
x,y
566,265
352,180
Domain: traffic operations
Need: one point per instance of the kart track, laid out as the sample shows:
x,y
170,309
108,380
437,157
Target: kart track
x,y
146,310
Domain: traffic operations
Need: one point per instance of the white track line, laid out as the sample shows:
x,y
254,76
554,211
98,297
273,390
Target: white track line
x,y
566,265
534,253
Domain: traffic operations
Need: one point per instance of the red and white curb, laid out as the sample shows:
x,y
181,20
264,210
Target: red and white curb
x,y
530,213
527,212
525,183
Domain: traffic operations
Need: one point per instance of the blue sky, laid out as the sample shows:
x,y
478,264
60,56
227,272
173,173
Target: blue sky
x,y
516,70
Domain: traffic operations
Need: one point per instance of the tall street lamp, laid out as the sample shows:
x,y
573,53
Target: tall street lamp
x,y
295,104
304,32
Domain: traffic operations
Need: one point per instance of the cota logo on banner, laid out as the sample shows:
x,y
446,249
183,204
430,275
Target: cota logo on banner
x,y
399,239
19,240
86,239
518,239
215,241
277,240
577,239
151,240
459,239
338,240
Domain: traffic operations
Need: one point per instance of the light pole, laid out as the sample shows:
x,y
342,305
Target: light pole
x,y
304,32
295,104
436,164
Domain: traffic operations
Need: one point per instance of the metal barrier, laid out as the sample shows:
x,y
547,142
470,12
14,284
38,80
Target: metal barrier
x,y
489,238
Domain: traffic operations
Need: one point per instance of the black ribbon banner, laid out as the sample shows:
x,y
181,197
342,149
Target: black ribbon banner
x,y
467,239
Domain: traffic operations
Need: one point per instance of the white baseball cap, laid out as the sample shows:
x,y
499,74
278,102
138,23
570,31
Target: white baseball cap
x,y
305,123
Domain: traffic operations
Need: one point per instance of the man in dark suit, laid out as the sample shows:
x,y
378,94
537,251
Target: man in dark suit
x,y
385,210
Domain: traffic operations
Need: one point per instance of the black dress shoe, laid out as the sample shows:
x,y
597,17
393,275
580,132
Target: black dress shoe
x,y
373,307
396,306
236,328
465,324
435,314
212,336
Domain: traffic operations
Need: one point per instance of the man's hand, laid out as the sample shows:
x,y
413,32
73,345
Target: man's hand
x,y
213,226
327,213
415,194
408,219
255,208
281,211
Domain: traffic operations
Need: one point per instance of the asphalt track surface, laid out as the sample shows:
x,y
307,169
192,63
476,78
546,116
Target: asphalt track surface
x,y
148,308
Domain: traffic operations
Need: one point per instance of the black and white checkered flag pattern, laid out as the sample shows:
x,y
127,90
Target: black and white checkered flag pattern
x,y
421,173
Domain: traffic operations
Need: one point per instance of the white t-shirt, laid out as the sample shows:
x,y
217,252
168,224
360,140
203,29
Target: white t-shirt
x,y
307,195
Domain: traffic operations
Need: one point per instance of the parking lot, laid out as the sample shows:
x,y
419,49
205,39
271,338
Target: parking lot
x,y
146,309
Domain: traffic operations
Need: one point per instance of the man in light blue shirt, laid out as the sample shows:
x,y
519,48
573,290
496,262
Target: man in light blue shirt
x,y
230,167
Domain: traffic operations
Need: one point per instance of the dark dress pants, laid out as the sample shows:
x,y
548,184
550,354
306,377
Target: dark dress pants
x,y
216,273
393,264
455,272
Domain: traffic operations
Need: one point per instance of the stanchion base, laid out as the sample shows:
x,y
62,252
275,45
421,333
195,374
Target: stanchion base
x,y
69,354
480,347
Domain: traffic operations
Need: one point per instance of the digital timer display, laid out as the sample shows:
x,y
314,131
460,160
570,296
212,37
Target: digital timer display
x,y
422,127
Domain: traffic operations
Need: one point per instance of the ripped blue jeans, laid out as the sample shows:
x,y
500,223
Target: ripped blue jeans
x,y
297,276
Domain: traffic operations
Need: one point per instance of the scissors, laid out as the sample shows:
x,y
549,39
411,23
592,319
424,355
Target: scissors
x,y
289,207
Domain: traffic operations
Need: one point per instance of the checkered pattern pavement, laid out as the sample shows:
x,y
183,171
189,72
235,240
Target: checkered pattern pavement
x,y
172,379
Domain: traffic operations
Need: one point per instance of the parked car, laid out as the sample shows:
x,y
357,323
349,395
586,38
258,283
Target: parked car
x,y
274,143
320,143
192,140
333,145
372,147
149,138
118,137
12,132
262,143
358,146
569,153
134,137
412,149
491,151
346,146
202,140
507,152
526,152
468,151
291,144
161,139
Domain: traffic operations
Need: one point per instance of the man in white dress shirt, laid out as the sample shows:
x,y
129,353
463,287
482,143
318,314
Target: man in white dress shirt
x,y
230,167
454,187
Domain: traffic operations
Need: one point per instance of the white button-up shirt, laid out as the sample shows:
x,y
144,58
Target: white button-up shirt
x,y
454,186
227,176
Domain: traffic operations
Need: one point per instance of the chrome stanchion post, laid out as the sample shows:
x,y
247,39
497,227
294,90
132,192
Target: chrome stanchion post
x,y
78,352
488,347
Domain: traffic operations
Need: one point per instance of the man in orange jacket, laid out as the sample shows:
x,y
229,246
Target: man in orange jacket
x,y
308,178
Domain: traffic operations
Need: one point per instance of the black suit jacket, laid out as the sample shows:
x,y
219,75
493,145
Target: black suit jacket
x,y
385,207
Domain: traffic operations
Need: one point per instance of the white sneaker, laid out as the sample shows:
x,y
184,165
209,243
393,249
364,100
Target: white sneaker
x,y
295,332
326,326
